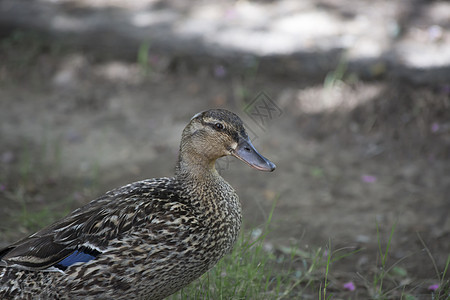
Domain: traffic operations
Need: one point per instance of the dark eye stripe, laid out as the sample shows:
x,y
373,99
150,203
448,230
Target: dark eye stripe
x,y
234,135
217,126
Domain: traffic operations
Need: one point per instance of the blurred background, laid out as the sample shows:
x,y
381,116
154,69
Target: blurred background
x,y
350,99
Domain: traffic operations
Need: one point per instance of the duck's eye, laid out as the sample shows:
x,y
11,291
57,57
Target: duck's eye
x,y
219,126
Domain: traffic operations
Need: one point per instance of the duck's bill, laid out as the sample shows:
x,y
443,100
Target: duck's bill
x,y
246,152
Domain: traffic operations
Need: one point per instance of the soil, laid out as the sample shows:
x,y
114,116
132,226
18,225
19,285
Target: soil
x,y
356,160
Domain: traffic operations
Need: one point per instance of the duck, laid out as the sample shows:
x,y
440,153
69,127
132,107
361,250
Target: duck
x,y
147,239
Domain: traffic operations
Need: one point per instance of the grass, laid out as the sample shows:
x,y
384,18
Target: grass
x,y
255,270
339,75
143,59
443,290
378,280
252,271
244,274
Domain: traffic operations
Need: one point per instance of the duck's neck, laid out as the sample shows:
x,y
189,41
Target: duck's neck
x,y
195,166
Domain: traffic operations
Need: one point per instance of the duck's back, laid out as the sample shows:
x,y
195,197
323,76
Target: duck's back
x,y
147,238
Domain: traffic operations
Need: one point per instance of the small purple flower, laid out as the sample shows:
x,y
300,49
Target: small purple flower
x,y
368,178
349,286
2,187
220,71
433,287
434,127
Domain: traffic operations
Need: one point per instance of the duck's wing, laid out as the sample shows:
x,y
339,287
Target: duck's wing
x,y
53,244
85,233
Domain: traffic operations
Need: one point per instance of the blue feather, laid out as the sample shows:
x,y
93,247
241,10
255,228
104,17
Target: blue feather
x,y
77,256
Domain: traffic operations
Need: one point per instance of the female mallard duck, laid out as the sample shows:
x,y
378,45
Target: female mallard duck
x,y
147,239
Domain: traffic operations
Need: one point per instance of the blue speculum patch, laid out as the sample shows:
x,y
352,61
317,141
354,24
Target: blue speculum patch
x,y
76,257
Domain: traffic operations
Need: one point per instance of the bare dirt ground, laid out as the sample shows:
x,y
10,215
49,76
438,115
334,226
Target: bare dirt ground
x,y
351,155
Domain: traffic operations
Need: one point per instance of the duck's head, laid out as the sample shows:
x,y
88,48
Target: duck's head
x,y
216,133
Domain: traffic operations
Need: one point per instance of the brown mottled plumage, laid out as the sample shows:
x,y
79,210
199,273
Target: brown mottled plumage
x,y
147,239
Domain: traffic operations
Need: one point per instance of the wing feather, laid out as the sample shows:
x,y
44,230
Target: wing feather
x,y
95,224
